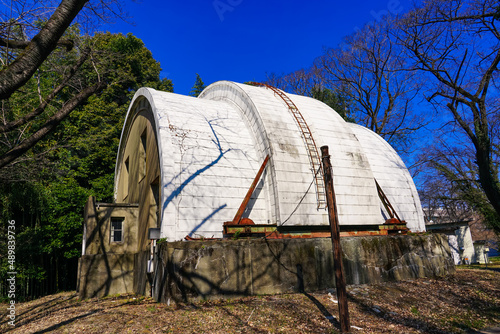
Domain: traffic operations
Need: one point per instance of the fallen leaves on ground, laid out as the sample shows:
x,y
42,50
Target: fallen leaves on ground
x,y
460,303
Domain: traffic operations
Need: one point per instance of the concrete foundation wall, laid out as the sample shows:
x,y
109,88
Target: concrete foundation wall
x,y
206,269
105,274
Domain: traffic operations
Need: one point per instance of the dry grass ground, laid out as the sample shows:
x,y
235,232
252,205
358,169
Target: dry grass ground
x,y
464,302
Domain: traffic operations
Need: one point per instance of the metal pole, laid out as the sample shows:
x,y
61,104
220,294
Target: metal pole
x,y
337,250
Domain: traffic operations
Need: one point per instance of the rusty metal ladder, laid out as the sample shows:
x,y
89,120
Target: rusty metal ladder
x,y
312,149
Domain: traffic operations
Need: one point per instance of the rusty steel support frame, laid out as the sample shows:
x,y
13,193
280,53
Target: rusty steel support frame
x,y
387,205
308,138
271,231
239,214
335,235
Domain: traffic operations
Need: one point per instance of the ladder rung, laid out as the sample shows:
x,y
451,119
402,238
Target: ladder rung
x,y
309,141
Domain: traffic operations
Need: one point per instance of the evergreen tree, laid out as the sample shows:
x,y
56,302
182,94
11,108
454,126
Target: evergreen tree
x,y
337,102
198,87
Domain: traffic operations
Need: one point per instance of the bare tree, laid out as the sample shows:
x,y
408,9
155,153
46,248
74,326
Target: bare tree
x,y
29,34
300,82
369,69
17,73
455,46
309,82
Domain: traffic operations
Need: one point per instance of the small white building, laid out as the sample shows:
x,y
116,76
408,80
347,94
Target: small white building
x,y
464,249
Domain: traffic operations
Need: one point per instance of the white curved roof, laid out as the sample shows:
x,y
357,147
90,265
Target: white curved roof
x,y
211,148
393,177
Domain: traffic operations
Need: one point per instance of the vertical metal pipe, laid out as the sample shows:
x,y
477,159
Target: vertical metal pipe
x,y
337,250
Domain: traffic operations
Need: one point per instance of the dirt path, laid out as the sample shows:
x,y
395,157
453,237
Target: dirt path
x,y
466,302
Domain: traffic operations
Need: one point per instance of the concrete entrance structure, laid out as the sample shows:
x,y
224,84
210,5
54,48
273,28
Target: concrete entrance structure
x,y
187,163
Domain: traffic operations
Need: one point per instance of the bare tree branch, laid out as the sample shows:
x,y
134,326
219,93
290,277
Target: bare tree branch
x,y
50,124
19,44
39,48
6,127
369,69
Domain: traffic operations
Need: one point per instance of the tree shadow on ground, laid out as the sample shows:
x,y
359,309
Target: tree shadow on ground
x,y
41,309
243,322
66,322
386,315
323,310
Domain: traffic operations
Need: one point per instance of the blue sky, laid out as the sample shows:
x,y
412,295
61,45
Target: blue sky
x,y
242,40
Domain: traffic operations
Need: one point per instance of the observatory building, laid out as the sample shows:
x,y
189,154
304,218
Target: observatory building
x,y
186,164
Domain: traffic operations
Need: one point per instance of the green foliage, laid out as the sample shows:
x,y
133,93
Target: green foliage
x,y
236,235
160,241
198,87
24,204
336,101
495,260
152,309
79,159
